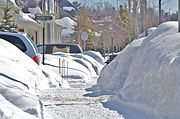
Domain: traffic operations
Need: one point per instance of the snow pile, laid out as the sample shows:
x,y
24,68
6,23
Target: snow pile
x,y
86,64
9,111
19,98
20,77
113,76
55,80
68,68
148,85
93,61
20,80
96,55
75,66
19,66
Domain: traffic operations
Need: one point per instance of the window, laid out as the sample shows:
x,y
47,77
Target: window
x,y
15,41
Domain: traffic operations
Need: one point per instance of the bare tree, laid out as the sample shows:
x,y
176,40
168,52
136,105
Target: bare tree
x,y
142,7
129,19
179,15
159,11
135,16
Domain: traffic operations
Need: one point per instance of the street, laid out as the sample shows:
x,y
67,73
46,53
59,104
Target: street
x,y
71,104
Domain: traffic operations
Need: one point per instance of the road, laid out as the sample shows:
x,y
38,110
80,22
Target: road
x,y
72,104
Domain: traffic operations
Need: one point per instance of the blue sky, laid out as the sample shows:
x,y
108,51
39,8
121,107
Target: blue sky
x,y
171,5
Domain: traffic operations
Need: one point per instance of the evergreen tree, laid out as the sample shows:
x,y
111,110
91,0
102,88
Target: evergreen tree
x,y
7,23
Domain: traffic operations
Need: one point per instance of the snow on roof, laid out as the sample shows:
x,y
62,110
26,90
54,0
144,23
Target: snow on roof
x,y
11,3
66,22
68,8
145,78
67,32
36,10
25,18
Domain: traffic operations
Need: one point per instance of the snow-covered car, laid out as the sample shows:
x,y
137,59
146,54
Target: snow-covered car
x,y
23,42
51,48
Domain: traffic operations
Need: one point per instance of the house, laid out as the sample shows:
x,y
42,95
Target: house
x,y
67,12
68,31
28,25
34,28
55,31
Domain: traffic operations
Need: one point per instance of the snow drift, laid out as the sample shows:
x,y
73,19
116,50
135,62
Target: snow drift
x,y
68,68
113,76
150,88
20,80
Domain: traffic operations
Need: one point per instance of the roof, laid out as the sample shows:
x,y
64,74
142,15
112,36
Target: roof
x,y
68,24
25,19
11,3
66,8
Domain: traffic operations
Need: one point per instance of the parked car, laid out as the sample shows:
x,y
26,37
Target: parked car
x,y
66,48
23,42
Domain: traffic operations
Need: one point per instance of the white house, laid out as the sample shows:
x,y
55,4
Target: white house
x,y
30,26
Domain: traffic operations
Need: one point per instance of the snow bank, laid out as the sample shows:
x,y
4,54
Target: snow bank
x,y
9,111
150,31
86,64
19,66
151,87
96,55
113,75
20,78
24,100
94,63
55,80
74,71
80,66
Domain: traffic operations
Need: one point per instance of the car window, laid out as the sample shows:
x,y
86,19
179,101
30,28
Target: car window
x,y
15,41
74,49
40,49
33,43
